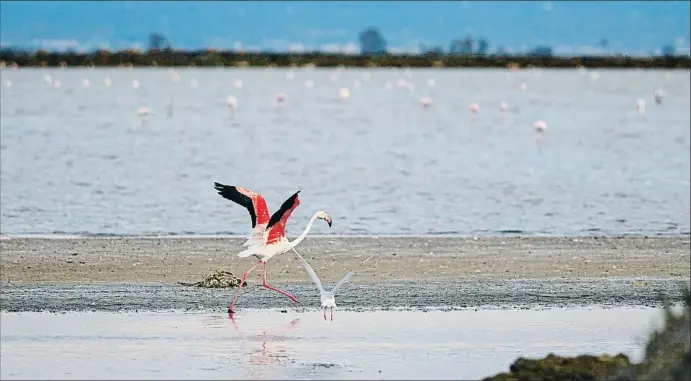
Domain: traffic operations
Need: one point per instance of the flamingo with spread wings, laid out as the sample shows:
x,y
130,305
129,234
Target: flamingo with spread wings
x,y
268,233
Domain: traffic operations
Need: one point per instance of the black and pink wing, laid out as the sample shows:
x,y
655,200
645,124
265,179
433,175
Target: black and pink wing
x,y
277,224
254,203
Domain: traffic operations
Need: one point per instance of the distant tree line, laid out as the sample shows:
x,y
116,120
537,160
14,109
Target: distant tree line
x,y
465,52
372,42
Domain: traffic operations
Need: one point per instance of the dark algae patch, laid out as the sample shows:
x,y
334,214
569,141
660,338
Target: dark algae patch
x,y
667,357
217,279
553,367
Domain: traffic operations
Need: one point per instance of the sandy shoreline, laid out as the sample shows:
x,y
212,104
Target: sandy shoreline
x,y
169,260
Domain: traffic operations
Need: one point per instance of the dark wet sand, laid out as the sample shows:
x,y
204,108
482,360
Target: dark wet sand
x,y
444,295
410,273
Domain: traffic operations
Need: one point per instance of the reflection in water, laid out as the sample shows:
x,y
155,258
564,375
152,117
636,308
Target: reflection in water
x,y
272,354
541,141
265,344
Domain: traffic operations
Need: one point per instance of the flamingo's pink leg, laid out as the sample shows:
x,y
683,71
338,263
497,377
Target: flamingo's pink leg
x,y
324,308
266,285
232,318
231,309
332,313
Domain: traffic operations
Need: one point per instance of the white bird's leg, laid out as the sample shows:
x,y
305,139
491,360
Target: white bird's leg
x,y
332,313
266,285
231,309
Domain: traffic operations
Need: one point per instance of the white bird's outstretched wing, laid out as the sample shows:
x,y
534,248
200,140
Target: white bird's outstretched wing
x,y
346,278
343,281
310,270
366,260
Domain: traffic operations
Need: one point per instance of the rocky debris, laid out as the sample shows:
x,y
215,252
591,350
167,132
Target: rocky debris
x,y
217,279
667,357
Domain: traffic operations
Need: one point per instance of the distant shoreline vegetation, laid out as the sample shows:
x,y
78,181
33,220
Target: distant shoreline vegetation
x,y
216,58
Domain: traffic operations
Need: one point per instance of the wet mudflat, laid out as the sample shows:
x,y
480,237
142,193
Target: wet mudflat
x,y
447,295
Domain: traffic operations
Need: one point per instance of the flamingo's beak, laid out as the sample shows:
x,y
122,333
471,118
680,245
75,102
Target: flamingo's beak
x,y
328,221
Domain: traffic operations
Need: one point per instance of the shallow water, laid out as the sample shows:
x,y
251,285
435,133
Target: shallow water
x,y
267,344
78,160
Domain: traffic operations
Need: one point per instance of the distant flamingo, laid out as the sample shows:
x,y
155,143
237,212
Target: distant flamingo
x,y
659,95
426,102
503,106
640,105
540,126
143,113
344,93
268,234
474,109
232,104
280,97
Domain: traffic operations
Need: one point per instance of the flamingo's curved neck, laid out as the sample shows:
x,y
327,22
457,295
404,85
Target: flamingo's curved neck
x,y
304,233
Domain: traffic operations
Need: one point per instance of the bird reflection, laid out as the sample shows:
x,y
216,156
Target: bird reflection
x,y
541,142
271,351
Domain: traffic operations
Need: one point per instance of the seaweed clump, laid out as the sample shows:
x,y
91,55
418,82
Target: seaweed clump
x,y
217,279
667,357
558,368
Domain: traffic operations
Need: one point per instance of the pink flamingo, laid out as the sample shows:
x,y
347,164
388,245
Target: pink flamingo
x,y
474,109
268,234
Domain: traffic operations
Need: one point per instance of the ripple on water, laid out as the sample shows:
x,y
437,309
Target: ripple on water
x,y
485,176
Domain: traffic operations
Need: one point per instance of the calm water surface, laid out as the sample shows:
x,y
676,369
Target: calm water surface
x,y
77,159
266,344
